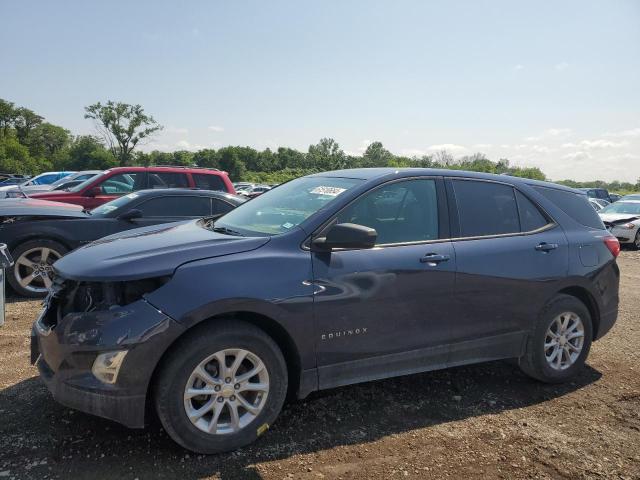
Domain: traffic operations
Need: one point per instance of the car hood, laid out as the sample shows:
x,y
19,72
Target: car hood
x,y
618,217
21,207
150,252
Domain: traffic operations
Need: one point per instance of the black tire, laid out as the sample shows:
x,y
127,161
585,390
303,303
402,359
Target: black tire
x,y
12,274
182,360
534,362
636,243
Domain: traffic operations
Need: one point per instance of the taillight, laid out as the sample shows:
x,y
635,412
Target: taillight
x,y
613,245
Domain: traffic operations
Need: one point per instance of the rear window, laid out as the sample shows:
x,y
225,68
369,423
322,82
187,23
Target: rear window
x,y
573,204
486,208
209,182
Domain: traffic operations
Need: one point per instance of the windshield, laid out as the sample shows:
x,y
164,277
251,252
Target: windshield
x,y
281,209
106,208
632,208
80,187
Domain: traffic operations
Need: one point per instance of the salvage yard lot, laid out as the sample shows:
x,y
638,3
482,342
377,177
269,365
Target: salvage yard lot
x,y
474,422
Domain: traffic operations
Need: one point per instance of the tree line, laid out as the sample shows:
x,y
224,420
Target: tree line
x,y
29,145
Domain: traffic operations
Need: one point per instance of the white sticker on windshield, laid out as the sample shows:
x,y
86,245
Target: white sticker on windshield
x,y
331,191
287,225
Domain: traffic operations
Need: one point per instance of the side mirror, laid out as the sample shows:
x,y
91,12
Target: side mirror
x,y
94,192
130,215
346,235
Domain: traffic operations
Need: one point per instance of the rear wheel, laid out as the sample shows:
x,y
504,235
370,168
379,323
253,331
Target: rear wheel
x,y
221,388
558,348
32,271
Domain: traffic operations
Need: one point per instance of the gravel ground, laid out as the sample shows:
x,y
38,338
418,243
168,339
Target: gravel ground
x,y
483,421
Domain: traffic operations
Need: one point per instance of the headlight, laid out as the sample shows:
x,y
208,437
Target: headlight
x,y
102,296
107,365
628,226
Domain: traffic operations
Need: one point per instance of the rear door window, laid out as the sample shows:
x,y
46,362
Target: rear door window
x,y
486,208
119,184
168,180
205,181
220,207
573,204
176,206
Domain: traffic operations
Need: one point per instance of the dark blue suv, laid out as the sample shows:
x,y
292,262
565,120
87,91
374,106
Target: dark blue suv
x,y
327,280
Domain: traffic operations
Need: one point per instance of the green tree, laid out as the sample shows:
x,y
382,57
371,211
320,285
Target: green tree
x,y
45,140
86,152
122,126
8,116
326,155
376,156
25,120
230,163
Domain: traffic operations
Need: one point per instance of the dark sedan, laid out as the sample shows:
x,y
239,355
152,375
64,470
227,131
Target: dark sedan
x,y
40,232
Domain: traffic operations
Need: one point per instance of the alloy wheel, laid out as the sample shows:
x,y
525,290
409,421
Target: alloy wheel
x,y
226,391
564,341
33,269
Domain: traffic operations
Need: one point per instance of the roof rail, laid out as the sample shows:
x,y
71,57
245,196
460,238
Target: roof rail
x,y
184,166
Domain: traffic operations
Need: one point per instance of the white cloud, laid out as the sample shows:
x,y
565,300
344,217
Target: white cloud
x,y
531,139
412,152
483,145
556,132
215,128
634,132
541,149
561,66
595,144
449,147
518,67
185,145
579,155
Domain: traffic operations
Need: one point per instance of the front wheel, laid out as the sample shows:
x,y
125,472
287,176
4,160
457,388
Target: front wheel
x,y
558,347
32,271
636,241
221,387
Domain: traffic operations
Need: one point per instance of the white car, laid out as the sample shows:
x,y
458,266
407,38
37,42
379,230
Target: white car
x,y
622,219
26,190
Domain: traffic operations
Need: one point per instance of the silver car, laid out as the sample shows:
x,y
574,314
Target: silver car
x,y
622,219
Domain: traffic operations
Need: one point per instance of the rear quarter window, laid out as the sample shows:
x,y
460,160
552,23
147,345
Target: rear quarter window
x,y
573,204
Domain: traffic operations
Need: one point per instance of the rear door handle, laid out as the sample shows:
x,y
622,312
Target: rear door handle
x,y
434,258
546,247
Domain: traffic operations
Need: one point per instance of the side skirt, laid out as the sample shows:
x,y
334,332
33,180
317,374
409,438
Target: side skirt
x,y
508,345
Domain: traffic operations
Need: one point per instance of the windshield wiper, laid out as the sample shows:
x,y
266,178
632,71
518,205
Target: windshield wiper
x,y
226,231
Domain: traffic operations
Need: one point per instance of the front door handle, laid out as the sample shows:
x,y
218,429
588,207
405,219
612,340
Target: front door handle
x,y
434,259
546,247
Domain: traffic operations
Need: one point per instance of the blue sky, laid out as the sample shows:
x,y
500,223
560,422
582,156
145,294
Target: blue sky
x,y
546,83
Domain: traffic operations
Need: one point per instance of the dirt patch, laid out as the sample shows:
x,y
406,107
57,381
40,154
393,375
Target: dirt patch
x,y
484,421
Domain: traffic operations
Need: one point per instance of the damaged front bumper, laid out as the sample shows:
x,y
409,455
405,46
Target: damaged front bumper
x,y
65,345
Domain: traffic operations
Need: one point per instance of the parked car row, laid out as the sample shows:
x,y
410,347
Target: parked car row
x,y
328,280
251,190
41,222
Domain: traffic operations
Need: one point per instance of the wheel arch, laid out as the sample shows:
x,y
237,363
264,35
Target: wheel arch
x,y
267,324
589,301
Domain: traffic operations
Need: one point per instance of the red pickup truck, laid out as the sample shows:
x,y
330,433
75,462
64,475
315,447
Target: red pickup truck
x,y
119,181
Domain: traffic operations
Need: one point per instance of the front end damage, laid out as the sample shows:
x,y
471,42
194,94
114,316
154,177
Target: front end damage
x,y
96,345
